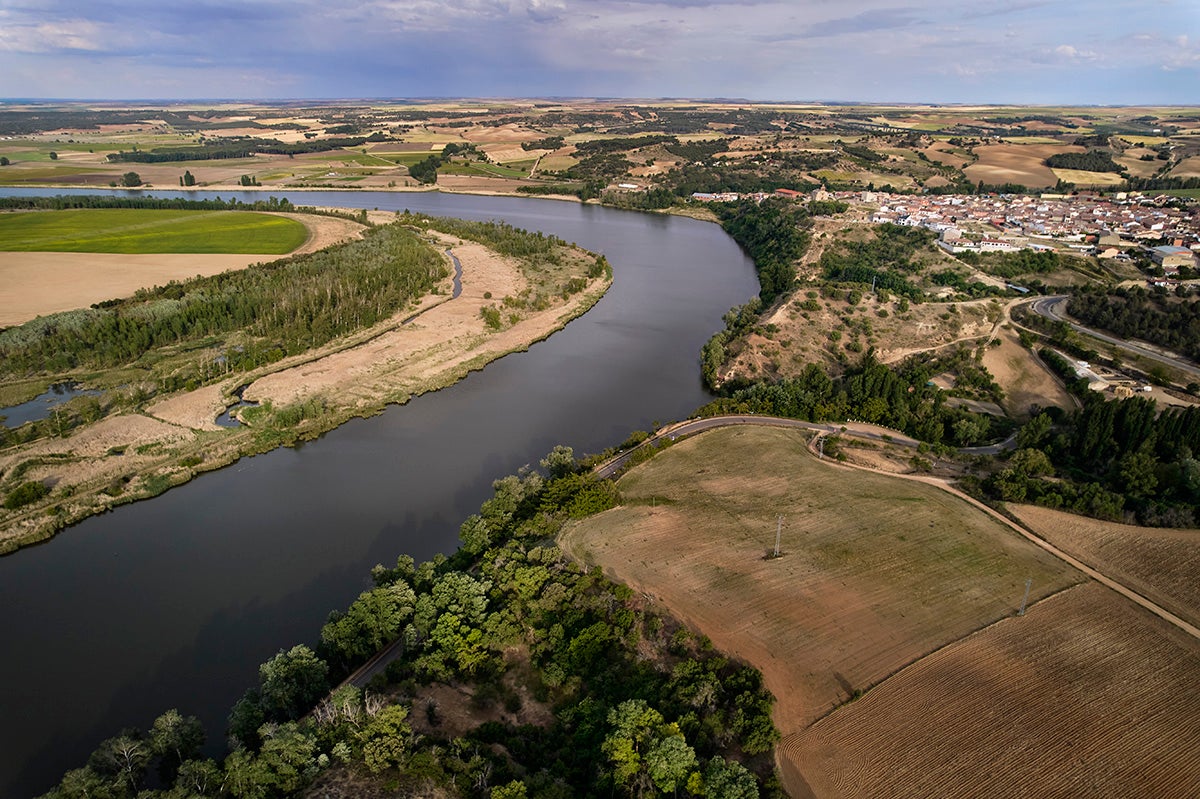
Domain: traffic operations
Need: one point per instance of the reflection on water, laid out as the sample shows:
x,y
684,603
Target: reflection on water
x,y
174,602
40,406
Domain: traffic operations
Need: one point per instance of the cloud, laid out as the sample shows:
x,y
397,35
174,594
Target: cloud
x,y
866,22
44,37
1073,53
763,49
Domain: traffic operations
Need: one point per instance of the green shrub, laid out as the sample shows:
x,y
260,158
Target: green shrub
x,y
27,492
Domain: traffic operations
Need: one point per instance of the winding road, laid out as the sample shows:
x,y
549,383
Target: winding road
x,y
1054,308
874,432
613,466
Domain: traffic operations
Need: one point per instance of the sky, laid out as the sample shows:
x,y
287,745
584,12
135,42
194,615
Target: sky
x,y
1107,52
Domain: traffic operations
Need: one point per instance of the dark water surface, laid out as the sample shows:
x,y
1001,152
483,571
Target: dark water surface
x,y
40,406
175,601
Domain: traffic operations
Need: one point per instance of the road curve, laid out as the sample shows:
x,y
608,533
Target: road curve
x,y
377,664
1054,309
861,430
856,429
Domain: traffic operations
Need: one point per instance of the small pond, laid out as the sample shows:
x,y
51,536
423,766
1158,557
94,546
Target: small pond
x,y
40,406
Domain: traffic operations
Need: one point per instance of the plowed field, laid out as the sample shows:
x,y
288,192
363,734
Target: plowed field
x,y
876,572
1161,564
1016,163
1084,696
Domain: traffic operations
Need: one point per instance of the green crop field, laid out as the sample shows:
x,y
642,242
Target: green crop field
x,y
129,230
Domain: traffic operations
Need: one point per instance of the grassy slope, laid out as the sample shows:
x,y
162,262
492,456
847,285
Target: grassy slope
x,y
129,230
878,571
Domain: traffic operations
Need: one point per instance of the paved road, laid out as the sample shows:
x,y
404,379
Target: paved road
x,y
1054,308
861,430
856,429
378,664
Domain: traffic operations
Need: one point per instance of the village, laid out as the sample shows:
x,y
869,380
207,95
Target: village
x,y
1122,227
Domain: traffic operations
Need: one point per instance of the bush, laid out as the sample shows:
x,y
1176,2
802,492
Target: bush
x,y
27,492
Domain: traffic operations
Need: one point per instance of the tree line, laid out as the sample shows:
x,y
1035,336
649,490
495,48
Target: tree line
x,y
241,148
1118,460
284,307
901,398
635,705
774,233
1091,161
1151,315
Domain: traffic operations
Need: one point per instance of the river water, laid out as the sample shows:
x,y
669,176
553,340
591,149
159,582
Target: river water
x,y
175,601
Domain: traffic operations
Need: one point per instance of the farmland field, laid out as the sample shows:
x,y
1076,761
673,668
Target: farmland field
x,y
1026,382
1016,163
876,573
1083,178
1159,563
1086,695
127,230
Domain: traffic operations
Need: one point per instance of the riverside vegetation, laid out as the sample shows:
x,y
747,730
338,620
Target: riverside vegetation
x,y
628,703
229,330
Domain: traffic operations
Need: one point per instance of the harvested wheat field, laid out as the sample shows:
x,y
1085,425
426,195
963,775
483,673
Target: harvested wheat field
x,y
1159,563
1025,380
1085,696
41,283
1187,168
877,571
1016,163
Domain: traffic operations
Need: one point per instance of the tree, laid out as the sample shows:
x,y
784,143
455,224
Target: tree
x,y
560,462
1136,474
727,780
475,534
175,738
198,778
669,762
513,790
292,682
1034,431
53,156
188,178
131,179
123,757
25,493
4,160
645,751
375,619
386,739
284,766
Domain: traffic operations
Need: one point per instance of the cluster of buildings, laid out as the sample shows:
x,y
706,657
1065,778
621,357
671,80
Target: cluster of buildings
x,y
1006,223
1012,222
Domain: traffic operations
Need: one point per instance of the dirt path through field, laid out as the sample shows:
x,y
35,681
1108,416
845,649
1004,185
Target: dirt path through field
x,y
1100,577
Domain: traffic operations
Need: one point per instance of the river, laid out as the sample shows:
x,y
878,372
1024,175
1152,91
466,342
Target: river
x,y
174,602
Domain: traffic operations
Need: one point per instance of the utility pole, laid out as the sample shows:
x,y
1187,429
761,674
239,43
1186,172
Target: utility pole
x,y
778,531
1025,599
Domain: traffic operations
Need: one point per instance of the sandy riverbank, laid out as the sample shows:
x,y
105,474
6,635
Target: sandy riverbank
x,y
136,455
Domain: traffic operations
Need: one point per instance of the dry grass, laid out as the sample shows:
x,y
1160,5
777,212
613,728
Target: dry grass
x,y
1187,168
877,571
1081,177
41,283
1159,563
1025,380
1084,696
803,336
1016,163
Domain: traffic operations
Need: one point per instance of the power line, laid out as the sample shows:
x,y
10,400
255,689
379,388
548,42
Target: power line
x,y
1025,599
